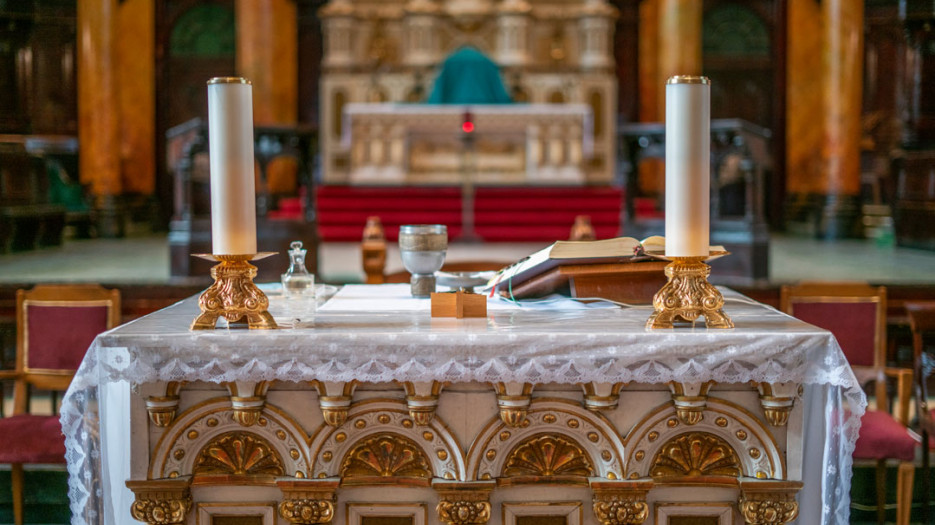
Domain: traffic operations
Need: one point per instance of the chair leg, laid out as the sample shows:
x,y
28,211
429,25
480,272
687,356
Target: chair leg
x,y
16,480
907,470
881,491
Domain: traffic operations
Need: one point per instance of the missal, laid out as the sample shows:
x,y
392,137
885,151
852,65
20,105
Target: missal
x,y
575,253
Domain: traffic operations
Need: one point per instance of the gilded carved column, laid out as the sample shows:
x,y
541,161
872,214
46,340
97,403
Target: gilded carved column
x,y
161,501
513,24
98,115
337,21
421,37
267,50
596,23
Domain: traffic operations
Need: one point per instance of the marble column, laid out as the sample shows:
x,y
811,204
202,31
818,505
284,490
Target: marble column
x,y
825,79
136,79
98,114
267,55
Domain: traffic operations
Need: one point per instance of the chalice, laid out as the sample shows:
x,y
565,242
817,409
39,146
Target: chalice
x,y
422,248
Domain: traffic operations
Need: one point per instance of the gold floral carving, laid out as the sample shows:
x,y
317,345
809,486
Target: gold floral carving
x,y
621,502
768,509
162,409
386,455
463,512
548,455
688,295
768,502
696,454
160,502
776,407
241,454
306,511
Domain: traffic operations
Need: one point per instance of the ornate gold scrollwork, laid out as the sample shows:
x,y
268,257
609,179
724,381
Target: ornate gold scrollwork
x,y
687,296
768,502
239,454
463,503
422,400
777,400
234,295
621,502
696,454
690,400
307,502
548,455
161,502
513,399
162,409
334,398
386,455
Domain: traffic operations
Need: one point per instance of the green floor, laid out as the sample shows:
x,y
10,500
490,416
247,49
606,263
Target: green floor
x,y
47,498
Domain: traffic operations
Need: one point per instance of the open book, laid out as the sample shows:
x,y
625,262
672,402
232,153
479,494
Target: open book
x,y
607,251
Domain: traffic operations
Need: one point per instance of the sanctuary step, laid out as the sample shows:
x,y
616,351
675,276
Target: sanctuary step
x,y
501,214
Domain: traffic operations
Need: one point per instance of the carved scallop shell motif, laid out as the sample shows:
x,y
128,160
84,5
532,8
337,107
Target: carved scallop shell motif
x,y
548,455
386,455
696,454
240,454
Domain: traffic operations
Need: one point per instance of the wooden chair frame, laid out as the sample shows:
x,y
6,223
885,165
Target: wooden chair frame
x,y
25,377
879,373
922,324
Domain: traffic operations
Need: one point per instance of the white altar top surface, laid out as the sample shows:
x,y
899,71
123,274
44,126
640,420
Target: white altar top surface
x,y
380,334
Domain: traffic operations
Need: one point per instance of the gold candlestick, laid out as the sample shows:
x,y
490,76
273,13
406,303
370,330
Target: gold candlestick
x,y
233,294
688,295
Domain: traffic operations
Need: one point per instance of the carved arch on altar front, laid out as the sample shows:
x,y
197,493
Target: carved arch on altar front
x,y
727,431
385,425
208,431
586,439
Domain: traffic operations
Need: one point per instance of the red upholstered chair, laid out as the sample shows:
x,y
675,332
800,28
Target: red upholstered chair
x,y
922,323
856,314
55,325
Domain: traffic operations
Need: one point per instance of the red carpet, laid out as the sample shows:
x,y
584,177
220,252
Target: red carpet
x,y
513,214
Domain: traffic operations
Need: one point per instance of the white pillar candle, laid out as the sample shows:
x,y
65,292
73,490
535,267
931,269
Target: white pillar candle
x,y
230,139
688,165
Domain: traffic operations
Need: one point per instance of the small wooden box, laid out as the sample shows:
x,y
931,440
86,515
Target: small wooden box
x,y
459,304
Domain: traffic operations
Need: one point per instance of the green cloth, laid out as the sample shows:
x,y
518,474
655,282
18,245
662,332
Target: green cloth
x,y
469,77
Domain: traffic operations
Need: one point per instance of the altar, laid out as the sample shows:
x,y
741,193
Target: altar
x,y
371,411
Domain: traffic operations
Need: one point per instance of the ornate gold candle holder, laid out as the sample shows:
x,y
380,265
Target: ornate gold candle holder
x,y
688,295
233,294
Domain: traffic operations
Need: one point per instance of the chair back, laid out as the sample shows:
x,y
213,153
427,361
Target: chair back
x,y
55,325
922,324
854,312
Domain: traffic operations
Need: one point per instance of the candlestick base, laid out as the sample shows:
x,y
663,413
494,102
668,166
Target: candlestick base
x,y
688,295
233,294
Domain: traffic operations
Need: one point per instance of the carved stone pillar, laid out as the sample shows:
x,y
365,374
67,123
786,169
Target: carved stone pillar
x,y
307,502
247,400
337,19
621,502
161,501
690,400
513,400
596,23
463,503
334,398
513,22
768,502
422,44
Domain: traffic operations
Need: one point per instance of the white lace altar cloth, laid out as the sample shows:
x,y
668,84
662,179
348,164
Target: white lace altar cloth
x,y
557,342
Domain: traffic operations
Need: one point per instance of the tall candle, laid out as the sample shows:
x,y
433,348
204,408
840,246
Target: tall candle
x,y
230,139
688,165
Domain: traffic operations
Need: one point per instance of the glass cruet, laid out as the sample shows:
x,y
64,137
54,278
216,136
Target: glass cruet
x,y
297,281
